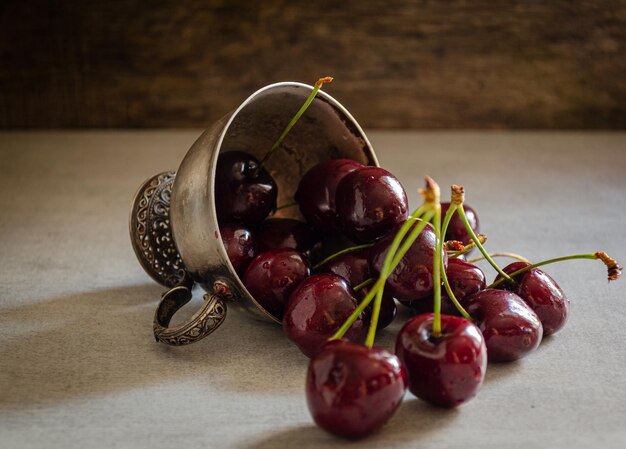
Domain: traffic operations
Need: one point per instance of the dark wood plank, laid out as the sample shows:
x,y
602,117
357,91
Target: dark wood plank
x,y
397,63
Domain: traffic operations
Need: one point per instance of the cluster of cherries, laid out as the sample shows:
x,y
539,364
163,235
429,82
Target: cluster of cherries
x,y
332,305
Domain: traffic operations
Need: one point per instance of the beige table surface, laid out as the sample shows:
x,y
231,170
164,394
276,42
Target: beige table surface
x,y
79,367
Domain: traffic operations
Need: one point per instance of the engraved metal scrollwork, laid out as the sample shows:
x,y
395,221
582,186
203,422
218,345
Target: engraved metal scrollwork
x,y
203,323
150,230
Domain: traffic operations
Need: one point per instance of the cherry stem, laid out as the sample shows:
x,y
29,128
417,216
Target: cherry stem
x,y
505,254
392,259
444,276
379,282
479,245
320,82
364,284
437,269
614,268
343,251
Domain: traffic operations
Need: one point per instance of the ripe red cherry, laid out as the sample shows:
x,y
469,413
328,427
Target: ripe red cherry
x,y
316,192
370,201
446,370
353,390
277,233
388,308
240,193
456,230
412,278
240,245
316,310
542,294
273,275
354,268
464,278
511,329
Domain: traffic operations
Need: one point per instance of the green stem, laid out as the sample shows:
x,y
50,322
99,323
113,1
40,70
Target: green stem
x,y
505,254
358,311
392,259
339,253
444,276
437,264
545,262
364,284
380,283
479,245
293,121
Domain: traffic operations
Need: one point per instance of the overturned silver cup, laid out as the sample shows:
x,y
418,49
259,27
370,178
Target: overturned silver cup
x,y
173,222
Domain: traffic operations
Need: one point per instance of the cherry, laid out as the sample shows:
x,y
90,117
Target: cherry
x,y
315,311
446,370
242,191
285,233
316,192
510,327
353,390
464,278
388,308
354,268
456,230
273,275
370,201
412,279
541,293
240,245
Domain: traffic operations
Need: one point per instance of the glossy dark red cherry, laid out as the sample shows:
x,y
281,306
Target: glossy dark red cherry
x,y
542,294
370,201
354,268
456,230
412,278
316,192
510,327
388,308
277,233
464,278
240,245
239,194
353,390
447,370
316,310
273,275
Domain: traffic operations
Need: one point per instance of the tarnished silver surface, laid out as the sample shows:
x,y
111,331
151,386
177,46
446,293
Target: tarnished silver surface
x,y
150,232
326,131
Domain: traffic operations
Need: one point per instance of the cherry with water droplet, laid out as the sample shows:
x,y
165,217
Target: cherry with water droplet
x,y
412,279
273,275
242,192
510,327
447,370
315,311
353,390
370,201
541,293
240,245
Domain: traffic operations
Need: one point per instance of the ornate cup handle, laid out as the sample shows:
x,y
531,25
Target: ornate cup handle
x,y
210,316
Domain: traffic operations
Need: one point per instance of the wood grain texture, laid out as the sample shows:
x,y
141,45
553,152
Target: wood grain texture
x,y
397,63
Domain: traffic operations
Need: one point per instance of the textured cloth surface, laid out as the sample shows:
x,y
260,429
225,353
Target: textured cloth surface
x,y
80,367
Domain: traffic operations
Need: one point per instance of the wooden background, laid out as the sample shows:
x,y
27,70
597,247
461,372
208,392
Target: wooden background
x,y
397,63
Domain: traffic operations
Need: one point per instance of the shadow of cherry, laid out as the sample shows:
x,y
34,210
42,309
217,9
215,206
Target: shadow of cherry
x,y
413,421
